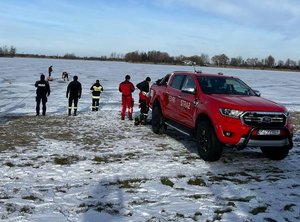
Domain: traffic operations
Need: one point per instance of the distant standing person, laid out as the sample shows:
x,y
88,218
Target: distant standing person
x,y
144,99
96,91
50,70
73,93
42,92
126,88
65,76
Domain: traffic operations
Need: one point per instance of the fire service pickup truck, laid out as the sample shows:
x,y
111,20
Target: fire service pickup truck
x,y
220,111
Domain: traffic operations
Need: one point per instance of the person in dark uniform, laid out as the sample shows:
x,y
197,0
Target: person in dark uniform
x,y
42,91
73,93
126,88
50,70
96,91
144,99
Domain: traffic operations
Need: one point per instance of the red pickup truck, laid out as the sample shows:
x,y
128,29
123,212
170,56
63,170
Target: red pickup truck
x,y
220,111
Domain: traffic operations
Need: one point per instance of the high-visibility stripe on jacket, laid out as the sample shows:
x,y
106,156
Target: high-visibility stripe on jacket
x,y
96,91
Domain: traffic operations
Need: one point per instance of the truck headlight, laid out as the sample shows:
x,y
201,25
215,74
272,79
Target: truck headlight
x,y
231,112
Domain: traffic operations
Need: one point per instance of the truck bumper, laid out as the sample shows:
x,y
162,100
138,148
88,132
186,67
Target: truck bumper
x,y
285,139
236,134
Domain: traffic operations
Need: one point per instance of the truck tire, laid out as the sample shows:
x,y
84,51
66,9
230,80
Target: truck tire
x,y
158,122
209,147
278,153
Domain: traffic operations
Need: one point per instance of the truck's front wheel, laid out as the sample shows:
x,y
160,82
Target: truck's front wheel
x,y
158,122
209,147
278,153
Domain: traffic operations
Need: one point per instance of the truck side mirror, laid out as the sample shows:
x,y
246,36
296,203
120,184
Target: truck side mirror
x,y
257,93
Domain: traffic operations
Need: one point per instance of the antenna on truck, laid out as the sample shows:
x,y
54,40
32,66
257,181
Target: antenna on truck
x,y
196,71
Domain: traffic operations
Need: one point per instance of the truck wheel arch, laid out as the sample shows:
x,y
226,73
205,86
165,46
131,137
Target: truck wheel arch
x,y
209,147
202,117
158,121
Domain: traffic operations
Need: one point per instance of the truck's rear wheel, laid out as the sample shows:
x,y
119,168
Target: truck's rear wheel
x,y
278,153
158,122
209,147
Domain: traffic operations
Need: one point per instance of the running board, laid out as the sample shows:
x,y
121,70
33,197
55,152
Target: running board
x,y
179,128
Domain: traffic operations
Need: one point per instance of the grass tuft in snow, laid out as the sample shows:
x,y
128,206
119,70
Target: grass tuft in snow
x,y
100,159
66,160
197,182
31,197
114,158
129,183
257,210
109,208
166,181
142,201
241,199
289,207
267,219
222,211
9,164
26,209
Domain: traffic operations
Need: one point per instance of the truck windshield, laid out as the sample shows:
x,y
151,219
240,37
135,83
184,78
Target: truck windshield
x,y
224,85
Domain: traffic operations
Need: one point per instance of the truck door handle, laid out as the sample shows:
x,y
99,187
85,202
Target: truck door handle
x,y
179,96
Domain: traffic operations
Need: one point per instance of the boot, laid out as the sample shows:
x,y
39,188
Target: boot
x,y
136,121
143,119
75,112
69,112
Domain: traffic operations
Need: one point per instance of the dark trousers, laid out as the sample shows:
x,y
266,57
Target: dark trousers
x,y
71,101
144,107
95,104
38,102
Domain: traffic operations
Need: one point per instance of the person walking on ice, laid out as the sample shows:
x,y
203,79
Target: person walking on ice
x,y
96,91
127,88
42,92
50,70
74,94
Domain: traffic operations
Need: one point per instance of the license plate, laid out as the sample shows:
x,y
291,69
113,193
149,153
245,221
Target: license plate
x,y
268,132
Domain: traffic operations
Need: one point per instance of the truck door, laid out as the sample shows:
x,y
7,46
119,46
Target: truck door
x,y
173,91
188,102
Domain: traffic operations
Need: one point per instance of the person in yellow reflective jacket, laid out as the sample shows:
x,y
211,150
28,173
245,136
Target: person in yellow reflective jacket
x,y
96,91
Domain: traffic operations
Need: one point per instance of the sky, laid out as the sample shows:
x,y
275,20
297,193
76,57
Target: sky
x,y
248,28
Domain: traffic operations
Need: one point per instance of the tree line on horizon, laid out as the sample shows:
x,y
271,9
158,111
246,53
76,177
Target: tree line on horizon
x,y
221,60
158,57
6,51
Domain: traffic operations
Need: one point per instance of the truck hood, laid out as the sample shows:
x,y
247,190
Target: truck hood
x,y
246,103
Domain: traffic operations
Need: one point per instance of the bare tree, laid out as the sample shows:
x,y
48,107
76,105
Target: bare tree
x,y
270,61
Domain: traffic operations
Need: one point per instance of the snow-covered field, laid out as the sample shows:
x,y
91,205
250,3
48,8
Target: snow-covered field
x,y
95,167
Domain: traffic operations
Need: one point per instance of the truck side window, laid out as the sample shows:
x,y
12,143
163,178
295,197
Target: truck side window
x,y
189,83
177,81
163,81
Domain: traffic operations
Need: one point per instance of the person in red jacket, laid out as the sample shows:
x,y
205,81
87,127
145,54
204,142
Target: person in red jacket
x,y
126,88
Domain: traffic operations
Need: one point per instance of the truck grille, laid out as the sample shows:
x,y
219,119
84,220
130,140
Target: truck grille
x,y
264,119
